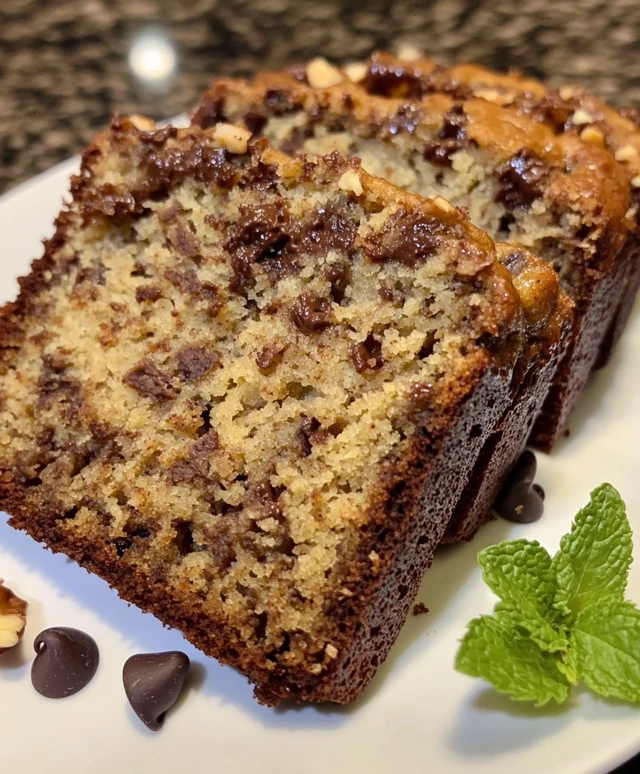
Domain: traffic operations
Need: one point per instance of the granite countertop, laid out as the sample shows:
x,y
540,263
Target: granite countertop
x,y
66,66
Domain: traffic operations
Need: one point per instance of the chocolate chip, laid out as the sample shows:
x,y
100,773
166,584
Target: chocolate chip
x,y
196,465
391,81
194,361
520,500
147,379
327,228
254,121
451,138
311,313
122,545
454,125
66,660
210,112
183,240
367,355
270,355
522,179
148,293
405,238
266,498
420,398
153,682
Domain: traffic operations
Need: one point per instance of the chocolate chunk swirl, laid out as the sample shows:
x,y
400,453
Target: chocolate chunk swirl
x,y
522,179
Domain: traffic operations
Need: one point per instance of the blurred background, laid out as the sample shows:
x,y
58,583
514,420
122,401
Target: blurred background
x,y
66,65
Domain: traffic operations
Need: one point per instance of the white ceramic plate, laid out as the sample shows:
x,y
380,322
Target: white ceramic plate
x,y
417,716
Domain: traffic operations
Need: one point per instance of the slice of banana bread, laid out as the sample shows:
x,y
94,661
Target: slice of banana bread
x,y
247,390
564,199
567,109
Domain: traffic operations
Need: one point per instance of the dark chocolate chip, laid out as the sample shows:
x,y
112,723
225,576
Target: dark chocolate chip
x,y
311,313
66,660
537,488
194,361
522,179
122,545
405,238
153,682
148,293
270,355
520,500
148,380
367,355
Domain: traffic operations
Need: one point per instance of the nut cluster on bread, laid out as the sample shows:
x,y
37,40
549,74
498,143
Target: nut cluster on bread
x,y
269,362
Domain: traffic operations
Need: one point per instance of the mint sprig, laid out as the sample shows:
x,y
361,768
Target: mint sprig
x,y
560,620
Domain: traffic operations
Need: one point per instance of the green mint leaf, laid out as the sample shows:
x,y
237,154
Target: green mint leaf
x,y
606,638
568,665
594,558
521,574
513,664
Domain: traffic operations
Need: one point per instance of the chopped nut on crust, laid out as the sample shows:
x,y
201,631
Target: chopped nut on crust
x,y
233,138
567,92
331,650
626,153
592,135
443,204
142,123
355,71
408,53
495,96
581,117
13,618
321,74
350,181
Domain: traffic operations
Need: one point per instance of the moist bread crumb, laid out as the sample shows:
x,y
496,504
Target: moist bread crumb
x,y
249,399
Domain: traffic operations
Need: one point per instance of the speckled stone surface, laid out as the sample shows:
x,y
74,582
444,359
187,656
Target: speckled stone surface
x,y
64,63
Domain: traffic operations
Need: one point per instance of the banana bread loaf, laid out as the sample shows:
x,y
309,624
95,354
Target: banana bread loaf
x,y
565,109
564,199
247,391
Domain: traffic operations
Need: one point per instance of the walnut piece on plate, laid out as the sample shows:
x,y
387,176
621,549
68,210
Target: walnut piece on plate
x,y
13,618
